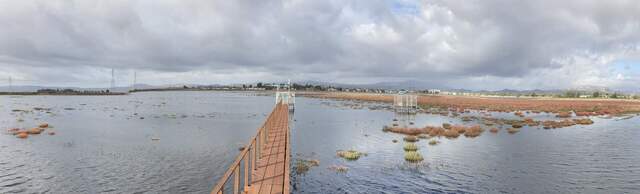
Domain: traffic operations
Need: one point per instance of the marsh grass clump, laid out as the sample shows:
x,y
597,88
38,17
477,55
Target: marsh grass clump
x,y
386,128
513,130
339,168
434,142
423,136
433,131
413,156
563,115
301,168
302,165
584,121
518,113
473,131
349,154
410,147
446,125
410,138
494,130
408,130
35,131
461,129
516,125
560,124
451,134
22,135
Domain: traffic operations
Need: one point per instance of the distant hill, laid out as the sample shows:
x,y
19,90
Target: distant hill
x,y
408,85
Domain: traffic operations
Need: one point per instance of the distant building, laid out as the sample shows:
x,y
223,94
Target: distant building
x,y
433,91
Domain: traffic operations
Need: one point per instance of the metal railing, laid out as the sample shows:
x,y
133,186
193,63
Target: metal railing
x,y
251,154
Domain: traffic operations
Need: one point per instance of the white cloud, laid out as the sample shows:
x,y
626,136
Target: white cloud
x,y
452,43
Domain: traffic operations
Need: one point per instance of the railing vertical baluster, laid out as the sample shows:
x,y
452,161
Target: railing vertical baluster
x,y
236,180
246,172
253,159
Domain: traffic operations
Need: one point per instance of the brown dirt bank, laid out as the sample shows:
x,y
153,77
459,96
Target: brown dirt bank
x,y
503,104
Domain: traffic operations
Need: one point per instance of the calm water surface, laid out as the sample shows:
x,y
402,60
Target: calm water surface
x,y
104,145
599,158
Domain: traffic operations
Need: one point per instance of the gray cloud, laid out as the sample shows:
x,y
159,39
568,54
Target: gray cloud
x,y
453,43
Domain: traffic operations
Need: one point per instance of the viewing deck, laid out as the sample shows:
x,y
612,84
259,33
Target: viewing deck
x,y
263,166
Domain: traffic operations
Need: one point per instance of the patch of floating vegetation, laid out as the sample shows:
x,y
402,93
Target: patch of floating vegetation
x,y
583,121
494,130
410,147
413,156
563,114
349,154
386,128
434,142
513,130
410,138
423,136
25,133
446,125
302,166
473,131
339,168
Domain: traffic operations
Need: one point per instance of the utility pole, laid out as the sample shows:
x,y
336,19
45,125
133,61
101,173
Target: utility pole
x,y
113,80
135,77
10,84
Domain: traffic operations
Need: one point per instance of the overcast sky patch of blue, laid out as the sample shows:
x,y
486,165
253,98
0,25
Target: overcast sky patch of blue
x,y
627,66
404,7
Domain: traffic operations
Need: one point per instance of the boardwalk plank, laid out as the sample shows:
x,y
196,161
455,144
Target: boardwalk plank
x,y
269,176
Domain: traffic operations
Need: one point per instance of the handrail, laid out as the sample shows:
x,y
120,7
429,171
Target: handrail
x,y
287,158
254,147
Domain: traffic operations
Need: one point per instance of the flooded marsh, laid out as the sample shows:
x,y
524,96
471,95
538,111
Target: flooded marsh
x,y
182,142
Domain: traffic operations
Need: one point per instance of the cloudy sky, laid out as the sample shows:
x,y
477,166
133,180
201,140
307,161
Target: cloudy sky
x,y
474,44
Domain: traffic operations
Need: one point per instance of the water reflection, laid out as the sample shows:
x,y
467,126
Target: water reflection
x,y
577,159
166,142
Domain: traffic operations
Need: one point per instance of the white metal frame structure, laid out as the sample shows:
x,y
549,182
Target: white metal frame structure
x,y
287,96
405,103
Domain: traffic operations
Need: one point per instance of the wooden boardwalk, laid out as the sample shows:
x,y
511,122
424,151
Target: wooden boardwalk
x,y
266,159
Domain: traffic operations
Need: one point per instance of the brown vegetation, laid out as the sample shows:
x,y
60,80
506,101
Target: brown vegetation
x,y
451,134
563,115
473,131
583,121
503,104
513,130
446,125
493,130
558,124
35,131
407,130
22,135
